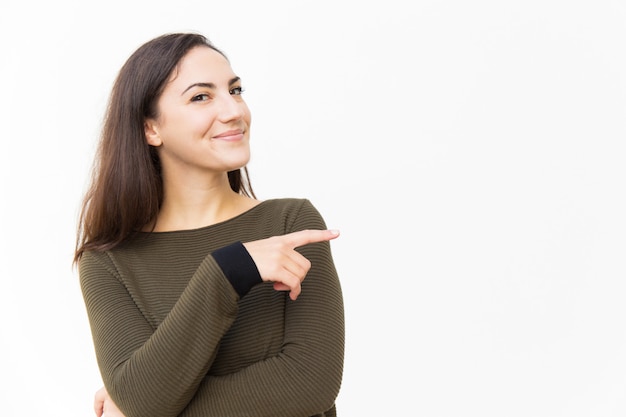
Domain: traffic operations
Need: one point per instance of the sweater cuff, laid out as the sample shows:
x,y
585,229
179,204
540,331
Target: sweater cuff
x,y
238,266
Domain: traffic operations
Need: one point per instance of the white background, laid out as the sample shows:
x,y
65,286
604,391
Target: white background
x,y
471,152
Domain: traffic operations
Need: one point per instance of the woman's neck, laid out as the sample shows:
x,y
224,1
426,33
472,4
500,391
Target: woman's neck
x,y
187,207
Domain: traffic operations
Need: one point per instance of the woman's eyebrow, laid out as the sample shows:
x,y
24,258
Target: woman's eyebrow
x,y
205,85
209,85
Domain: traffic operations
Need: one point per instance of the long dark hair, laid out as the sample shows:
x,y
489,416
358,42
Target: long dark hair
x,y
126,188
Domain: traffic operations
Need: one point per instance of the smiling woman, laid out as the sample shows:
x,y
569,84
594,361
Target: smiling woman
x,y
202,299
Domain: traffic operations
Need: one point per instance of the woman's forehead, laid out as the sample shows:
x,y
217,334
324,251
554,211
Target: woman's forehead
x,y
203,64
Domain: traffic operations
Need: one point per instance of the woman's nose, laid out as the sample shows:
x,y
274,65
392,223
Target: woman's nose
x,y
231,108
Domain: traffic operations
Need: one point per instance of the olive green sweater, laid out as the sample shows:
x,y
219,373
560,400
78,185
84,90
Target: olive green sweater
x,y
173,337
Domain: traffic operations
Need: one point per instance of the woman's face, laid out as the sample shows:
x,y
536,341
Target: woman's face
x,y
203,121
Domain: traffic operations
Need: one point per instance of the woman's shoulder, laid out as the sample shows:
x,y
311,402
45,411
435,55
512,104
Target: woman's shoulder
x,y
294,213
93,262
289,206
286,203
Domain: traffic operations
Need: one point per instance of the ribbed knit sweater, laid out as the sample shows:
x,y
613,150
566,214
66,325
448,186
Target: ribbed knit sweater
x,y
174,338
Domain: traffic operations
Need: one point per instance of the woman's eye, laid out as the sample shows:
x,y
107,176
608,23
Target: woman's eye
x,y
200,97
237,91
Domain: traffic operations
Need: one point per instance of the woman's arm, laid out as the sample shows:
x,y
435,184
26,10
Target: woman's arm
x,y
151,371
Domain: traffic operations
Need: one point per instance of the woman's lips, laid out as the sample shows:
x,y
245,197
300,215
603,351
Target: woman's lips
x,y
230,135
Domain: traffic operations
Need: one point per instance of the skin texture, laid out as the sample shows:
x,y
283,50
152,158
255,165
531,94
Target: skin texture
x,y
201,133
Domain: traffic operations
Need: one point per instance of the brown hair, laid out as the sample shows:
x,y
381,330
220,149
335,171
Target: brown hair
x,y
126,188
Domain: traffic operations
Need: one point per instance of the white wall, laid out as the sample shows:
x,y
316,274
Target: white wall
x,y
472,154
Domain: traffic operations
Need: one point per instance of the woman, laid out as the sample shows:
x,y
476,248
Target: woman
x,y
195,290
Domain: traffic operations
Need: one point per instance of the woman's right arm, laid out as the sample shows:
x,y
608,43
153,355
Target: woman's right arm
x,y
151,371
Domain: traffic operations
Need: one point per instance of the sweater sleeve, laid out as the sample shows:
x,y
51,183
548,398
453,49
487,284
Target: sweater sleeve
x,y
238,266
147,371
305,377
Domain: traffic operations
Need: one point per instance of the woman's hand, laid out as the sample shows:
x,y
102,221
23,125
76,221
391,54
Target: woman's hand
x,y
104,406
279,262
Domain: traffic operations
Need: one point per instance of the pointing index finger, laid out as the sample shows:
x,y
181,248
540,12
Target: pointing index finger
x,y
304,237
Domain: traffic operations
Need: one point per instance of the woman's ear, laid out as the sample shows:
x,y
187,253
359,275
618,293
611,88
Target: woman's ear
x,y
152,134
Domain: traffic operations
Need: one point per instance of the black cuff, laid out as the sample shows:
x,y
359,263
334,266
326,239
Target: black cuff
x,y
238,266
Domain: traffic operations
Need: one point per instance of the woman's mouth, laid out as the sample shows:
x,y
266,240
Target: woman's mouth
x,y
230,135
